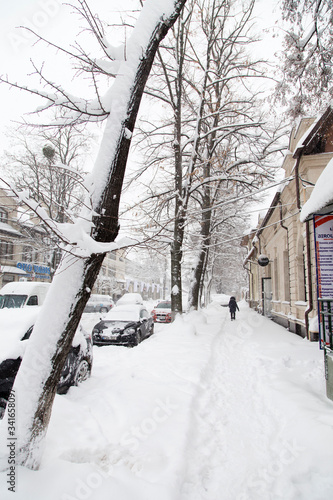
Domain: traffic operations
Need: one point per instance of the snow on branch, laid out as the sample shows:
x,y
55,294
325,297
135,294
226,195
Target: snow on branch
x,y
74,237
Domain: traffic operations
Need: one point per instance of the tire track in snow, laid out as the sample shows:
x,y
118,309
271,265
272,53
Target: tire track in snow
x,y
234,429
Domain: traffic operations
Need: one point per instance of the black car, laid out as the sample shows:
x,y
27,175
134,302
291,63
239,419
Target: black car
x,y
77,366
125,325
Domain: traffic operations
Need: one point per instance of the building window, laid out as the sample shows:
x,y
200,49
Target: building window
x,y
286,276
3,215
276,279
300,262
6,250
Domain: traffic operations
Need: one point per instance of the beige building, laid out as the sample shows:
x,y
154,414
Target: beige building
x,y
283,287
26,253
22,245
111,278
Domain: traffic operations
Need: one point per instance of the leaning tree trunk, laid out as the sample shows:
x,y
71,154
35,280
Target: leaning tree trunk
x,y
39,373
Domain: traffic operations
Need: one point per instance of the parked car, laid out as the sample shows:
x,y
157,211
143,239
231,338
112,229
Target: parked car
x,y
99,303
15,330
162,312
125,325
130,298
23,293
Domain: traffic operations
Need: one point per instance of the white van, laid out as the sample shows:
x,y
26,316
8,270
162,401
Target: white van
x,y
23,293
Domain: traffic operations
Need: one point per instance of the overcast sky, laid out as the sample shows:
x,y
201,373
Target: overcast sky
x,y
54,21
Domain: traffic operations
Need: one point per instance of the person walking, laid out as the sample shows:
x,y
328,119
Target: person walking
x,y
232,307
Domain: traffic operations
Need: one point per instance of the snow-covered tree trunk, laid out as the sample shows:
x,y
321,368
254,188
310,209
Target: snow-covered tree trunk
x,y
37,379
178,229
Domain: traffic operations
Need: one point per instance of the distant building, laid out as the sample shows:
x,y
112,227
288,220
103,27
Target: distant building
x,y
283,287
111,278
150,282
27,253
22,245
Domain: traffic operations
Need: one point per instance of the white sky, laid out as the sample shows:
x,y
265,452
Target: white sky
x,y
55,21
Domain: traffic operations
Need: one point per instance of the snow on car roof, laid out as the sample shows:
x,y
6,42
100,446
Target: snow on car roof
x,y
95,298
130,298
22,287
13,325
128,312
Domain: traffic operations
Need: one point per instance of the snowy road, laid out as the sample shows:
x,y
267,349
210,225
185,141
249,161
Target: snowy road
x,y
204,409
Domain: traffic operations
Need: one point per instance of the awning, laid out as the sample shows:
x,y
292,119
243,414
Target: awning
x,y
12,270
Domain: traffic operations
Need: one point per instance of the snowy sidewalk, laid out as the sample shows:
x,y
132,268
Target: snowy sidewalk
x,y
205,409
261,428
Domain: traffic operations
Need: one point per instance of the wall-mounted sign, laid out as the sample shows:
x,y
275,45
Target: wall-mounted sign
x,y
323,225
263,260
34,269
323,232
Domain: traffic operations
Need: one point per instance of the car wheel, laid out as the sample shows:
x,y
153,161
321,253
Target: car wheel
x,y
136,339
82,372
151,330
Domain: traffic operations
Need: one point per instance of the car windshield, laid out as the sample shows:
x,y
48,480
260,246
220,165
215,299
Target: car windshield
x,y
164,305
12,301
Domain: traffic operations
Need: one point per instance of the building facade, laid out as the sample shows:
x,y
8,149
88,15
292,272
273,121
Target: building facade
x,y
27,253
281,261
22,245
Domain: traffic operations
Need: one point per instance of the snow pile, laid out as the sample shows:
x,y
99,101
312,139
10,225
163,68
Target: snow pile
x,y
204,409
322,193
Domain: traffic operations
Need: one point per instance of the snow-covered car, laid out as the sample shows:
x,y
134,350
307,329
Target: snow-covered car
x,y
99,303
130,298
162,312
125,325
19,294
15,329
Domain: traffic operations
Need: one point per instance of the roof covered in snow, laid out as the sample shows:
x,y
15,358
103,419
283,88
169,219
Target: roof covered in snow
x,y
322,194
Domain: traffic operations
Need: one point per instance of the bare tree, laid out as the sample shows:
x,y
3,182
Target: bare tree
x,y
48,163
306,84
80,265
215,136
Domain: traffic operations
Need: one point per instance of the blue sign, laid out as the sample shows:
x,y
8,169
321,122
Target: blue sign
x,y
34,268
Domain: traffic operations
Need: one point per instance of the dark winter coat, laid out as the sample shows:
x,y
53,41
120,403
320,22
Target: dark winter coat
x,y
233,305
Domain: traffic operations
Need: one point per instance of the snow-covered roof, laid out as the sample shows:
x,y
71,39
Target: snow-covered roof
x,y
12,270
306,135
7,228
311,136
322,194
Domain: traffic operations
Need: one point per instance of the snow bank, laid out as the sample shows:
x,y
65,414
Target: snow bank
x,y
203,409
